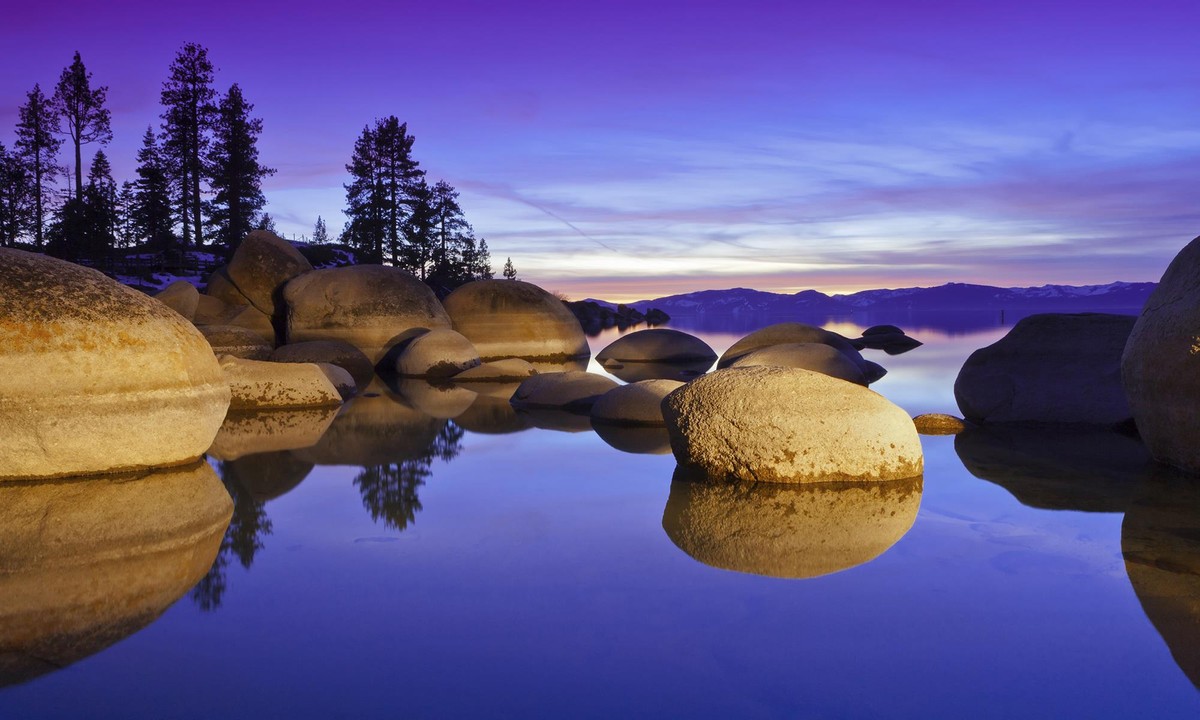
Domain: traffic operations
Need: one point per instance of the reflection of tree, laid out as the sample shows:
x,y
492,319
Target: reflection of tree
x,y
242,539
389,492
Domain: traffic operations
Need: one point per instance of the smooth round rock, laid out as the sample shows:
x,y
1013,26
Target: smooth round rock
x,y
638,403
510,318
365,305
181,296
88,561
236,341
661,345
789,531
816,357
506,370
221,287
340,379
1160,366
259,385
97,377
262,263
253,319
439,353
334,352
787,425
213,311
573,390
939,424
1051,369
788,333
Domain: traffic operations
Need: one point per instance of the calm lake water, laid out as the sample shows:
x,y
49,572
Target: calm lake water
x,y
471,571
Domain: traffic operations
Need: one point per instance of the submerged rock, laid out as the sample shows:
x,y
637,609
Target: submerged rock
x,y
638,403
1049,368
789,426
574,390
97,377
789,531
510,318
658,345
259,385
1161,364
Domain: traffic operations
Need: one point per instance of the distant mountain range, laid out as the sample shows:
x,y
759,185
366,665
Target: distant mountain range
x,y
951,296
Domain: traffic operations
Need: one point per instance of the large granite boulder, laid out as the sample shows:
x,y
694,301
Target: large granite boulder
x,y
657,345
367,306
236,341
1052,368
788,333
261,385
637,403
817,357
261,265
510,318
334,352
789,531
181,296
574,391
97,377
438,353
1161,364
789,426
88,561
221,287
213,311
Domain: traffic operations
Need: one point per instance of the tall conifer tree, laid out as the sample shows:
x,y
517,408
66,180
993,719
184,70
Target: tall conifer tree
x,y
151,215
235,170
187,98
15,195
84,116
37,146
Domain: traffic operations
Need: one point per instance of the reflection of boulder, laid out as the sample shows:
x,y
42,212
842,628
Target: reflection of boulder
x,y
1056,468
788,531
639,440
266,476
507,370
375,428
444,401
88,561
1160,539
491,413
246,432
680,371
574,390
638,403
559,420
553,366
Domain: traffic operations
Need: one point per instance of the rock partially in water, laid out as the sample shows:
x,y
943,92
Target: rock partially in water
x,y
1078,467
939,424
97,377
236,341
261,265
1051,368
1160,539
88,561
181,296
510,318
436,354
787,425
247,432
334,352
816,357
638,403
658,345
793,332
887,338
340,379
789,531
507,370
260,385
1161,364
364,305
574,391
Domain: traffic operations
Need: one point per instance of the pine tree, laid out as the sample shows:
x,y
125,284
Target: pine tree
x,y
266,222
83,112
481,265
234,168
419,250
100,208
381,195
38,147
125,234
15,196
151,214
187,97
320,233
510,272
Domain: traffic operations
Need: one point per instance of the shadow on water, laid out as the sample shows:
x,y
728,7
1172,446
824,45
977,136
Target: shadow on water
x,y
1057,468
86,562
1160,539
788,531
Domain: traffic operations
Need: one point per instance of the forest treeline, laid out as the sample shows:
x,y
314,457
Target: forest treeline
x,y
198,183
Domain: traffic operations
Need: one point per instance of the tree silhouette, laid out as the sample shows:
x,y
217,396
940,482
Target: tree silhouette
x,y
15,196
379,198
82,109
243,539
320,232
389,492
510,272
38,147
150,214
235,170
188,115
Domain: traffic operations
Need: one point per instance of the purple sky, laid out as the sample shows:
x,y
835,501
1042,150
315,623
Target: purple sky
x,y
635,149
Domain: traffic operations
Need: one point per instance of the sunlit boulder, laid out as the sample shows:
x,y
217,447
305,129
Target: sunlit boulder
x,y
247,432
1161,364
236,341
638,403
510,318
793,332
661,345
788,425
365,305
574,391
789,531
88,561
260,384
262,263
97,377
939,424
212,311
334,352
181,296
817,357
439,353
253,319
1052,368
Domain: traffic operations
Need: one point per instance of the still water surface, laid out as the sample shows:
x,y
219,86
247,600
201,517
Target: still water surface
x,y
483,573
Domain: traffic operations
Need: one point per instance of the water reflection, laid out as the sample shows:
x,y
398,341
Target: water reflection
x,y
788,531
1057,468
389,492
243,538
1160,539
491,413
558,420
443,400
632,372
246,432
376,428
637,440
85,562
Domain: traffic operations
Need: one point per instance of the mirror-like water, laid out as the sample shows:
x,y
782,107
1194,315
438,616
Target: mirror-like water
x,y
431,553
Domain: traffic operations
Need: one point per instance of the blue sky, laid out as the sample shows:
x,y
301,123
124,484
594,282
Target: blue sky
x,y
627,150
